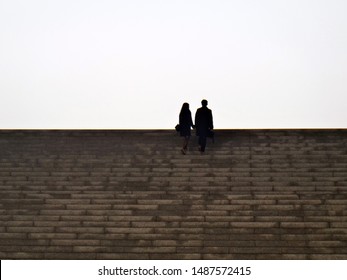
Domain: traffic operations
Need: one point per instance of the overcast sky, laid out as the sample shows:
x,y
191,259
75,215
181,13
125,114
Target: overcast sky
x,y
131,64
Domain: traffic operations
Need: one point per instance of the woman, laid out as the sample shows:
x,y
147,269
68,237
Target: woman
x,y
186,123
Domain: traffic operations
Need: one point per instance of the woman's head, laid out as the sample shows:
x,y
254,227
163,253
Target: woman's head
x,y
185,106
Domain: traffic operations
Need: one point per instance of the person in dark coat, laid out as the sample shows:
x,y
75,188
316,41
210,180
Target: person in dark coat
x,y
185,122
203,124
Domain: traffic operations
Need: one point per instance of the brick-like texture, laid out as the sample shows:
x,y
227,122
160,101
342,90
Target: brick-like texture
x,y
131,194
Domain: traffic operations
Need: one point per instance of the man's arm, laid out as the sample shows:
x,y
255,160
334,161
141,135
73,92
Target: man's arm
x,y
196,121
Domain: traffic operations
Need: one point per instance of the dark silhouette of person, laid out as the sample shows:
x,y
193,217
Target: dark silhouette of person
x,y
203,124
185,122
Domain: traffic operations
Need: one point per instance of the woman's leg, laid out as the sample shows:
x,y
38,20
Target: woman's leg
x,y
185,144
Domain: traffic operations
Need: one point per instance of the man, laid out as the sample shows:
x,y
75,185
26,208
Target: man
x,y
203,124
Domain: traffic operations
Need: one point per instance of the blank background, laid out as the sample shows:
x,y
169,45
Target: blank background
x,y
131,64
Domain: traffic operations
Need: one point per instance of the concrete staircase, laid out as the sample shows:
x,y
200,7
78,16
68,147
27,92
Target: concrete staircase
x,y
115,194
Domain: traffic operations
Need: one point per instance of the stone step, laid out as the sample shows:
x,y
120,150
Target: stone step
x,y
117,194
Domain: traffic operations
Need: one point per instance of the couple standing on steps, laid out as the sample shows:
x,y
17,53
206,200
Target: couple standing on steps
x,y
203,125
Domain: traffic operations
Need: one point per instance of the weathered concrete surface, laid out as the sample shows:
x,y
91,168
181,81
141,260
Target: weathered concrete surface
x,y
112,194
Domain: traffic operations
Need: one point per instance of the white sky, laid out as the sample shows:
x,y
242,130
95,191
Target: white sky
x,y
131,64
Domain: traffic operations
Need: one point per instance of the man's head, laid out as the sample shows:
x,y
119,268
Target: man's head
x,y
204,102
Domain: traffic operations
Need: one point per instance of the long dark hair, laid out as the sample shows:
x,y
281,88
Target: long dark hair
x,y
185,108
